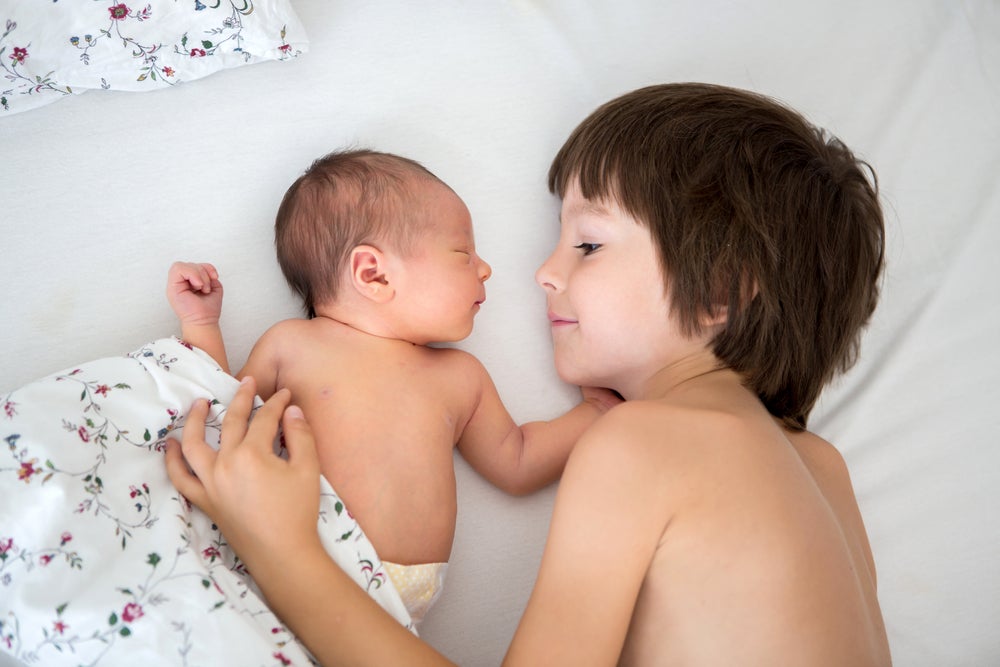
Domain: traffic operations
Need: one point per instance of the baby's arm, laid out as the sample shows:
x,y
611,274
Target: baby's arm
x,y
195,294
522,459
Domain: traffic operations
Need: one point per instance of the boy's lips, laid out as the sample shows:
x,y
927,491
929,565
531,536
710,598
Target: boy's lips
x,y
557,320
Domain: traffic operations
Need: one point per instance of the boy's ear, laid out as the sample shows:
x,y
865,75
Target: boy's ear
x,y
719,314
368,273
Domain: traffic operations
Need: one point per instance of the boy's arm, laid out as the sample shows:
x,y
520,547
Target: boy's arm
x,y
522,459
611,511
195,294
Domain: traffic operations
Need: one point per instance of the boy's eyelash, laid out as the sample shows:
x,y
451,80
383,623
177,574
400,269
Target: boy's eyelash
x,y
587,248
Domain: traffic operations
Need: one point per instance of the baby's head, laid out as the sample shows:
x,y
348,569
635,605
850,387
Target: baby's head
x,y
755,215
343,200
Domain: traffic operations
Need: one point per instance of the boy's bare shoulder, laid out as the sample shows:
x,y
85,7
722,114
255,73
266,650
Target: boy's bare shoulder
x,y
656,438
661,428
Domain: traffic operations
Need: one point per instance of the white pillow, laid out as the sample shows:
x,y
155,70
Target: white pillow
x,y
52,49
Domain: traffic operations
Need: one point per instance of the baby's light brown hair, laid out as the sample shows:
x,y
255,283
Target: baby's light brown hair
x,y
343,200
751,209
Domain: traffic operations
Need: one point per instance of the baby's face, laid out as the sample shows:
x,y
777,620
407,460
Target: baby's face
x,y
441,285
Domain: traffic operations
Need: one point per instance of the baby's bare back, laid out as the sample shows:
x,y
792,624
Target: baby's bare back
x,y
386,415
765,560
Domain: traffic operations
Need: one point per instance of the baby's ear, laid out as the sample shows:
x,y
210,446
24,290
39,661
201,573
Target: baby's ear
x,y
368,265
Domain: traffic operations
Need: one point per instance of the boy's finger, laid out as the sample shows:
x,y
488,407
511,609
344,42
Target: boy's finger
x,y
182,478
234,424
299,439
196,451
264,426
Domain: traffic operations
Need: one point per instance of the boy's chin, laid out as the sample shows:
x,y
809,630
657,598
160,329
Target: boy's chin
x,y
571,374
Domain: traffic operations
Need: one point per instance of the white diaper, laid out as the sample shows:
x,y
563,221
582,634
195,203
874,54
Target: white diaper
x,y
419,585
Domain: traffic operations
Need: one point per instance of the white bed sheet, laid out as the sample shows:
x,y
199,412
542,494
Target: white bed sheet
x,y
98,194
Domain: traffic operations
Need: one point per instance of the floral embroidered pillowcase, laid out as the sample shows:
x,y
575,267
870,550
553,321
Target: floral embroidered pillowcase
x,y
49,50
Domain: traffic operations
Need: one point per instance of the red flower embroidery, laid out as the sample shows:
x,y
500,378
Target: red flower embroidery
x,y
102,389
211,553
20,53
46,559
285,48
8,408
198,53
59,627
282,658
132,612
27,470
82,432
168,71
6,545
66,537
118,12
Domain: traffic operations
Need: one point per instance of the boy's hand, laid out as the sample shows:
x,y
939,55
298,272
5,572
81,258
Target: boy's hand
x,y
601,398
264,505
194,292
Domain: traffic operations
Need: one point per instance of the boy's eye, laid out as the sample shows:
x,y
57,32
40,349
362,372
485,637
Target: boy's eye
x,y
587,248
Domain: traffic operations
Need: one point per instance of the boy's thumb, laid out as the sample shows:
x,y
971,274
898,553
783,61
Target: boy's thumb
x,y
299,440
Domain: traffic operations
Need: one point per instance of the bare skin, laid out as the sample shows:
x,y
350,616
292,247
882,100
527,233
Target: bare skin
x,y
732,541
392,413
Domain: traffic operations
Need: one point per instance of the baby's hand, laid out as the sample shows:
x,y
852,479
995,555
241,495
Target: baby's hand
x,y
603,399
194,292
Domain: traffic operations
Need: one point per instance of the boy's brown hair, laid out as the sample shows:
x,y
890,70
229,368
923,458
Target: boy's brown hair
x,y
344,199
752,210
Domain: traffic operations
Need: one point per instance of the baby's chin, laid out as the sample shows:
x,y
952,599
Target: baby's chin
x,y
450,337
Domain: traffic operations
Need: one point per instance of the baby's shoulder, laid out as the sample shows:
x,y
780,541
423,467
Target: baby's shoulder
x,y
287,328
453,360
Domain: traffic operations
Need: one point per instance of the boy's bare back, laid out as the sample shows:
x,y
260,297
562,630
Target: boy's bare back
x,y
387,415
759,548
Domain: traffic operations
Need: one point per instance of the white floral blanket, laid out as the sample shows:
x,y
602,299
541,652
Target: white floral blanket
x,y
102,561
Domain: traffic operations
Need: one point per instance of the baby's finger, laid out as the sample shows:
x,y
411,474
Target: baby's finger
x,y
208,278
234,424
185,482
299,439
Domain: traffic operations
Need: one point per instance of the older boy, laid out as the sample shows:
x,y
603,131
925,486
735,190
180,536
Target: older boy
x,y
717,260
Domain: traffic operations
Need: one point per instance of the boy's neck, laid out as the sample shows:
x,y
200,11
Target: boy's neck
x,y
683,374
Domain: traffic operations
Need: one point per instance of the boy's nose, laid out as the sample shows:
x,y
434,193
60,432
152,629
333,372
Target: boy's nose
x,y
546,275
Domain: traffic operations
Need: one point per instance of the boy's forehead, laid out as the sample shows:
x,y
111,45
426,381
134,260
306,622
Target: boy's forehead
x,y
581,206
575,205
